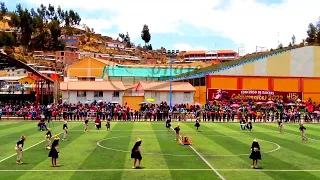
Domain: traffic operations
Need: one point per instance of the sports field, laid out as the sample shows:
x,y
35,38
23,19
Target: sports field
x,y
219,151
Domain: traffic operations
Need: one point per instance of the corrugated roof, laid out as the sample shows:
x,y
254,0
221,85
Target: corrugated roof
x,y
92,86
165,86
145,71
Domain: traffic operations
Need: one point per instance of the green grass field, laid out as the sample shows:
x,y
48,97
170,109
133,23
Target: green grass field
x,y
218,149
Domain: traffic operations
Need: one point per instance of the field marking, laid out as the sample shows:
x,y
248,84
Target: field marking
x,y
106,170
144,130
204,160
188,155
27,148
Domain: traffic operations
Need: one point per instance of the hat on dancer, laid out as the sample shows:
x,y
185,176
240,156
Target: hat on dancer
x,y
56,138
23,137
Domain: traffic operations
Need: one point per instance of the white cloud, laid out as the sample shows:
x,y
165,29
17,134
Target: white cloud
x,y
245,22
98,24
187,47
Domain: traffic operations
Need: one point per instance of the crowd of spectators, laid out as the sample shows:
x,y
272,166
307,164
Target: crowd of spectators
x,y
212,111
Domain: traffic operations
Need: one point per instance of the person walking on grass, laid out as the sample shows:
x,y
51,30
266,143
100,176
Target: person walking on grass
x,y
108,124
65,131
54,152
255,153
249,125
136,154
19,149
177,130
303,132
168,124
48,138
280,124
197,125
86,121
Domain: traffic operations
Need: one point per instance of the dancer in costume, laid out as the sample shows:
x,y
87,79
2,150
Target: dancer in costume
x,y
54,152
255,153
303,132
19,149
168,124
242,124
280,124
86,121
48,138
197,123
249,125
65,131
108,125
177,130
136,154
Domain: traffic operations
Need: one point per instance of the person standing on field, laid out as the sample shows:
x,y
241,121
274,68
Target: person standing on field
x,y
65,131
19,149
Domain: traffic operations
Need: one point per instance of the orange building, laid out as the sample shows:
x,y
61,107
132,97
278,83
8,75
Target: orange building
x,y
307,86
220,55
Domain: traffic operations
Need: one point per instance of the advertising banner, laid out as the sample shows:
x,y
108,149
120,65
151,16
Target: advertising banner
x,y
256,95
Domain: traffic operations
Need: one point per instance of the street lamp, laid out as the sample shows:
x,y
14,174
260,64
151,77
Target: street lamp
x,y
171,54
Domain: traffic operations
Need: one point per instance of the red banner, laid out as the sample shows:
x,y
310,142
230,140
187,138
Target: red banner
x,y
256,95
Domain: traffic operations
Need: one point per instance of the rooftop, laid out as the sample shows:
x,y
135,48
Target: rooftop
x,y
92,86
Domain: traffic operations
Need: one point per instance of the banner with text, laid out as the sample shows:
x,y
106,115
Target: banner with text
x,y
256,95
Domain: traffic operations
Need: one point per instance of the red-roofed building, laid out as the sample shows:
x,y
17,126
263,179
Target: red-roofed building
x,y
219,55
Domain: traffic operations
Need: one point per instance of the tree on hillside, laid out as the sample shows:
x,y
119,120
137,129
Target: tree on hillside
x,y
280,46
125,38
312,34
89,32
3,10
145,34
293,40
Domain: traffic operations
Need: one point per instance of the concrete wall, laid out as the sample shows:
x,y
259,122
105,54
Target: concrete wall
x,y
177,97
302,62
71,97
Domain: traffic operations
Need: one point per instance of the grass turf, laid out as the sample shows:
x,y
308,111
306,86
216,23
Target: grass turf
x,y
223,145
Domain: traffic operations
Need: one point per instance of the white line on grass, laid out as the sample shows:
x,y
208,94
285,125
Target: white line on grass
x,y
25,149
144,130
96,170
211,167
101,170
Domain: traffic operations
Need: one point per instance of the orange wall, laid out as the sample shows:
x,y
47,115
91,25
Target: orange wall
x,y
255,83
286,84
133,101
223,82
309,86
200,95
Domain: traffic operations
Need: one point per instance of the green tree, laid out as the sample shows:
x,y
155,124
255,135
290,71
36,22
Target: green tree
x,y
3,10
89,32
312,34
145,34
293,40
280,46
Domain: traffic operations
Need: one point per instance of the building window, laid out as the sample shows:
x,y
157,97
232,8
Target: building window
x,y
173,96
196,82
116,94
24,72
98,94
186,96
155,95
81,93
202,81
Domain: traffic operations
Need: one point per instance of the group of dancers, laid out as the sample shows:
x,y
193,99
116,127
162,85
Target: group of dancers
x,y
136,151
97,124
